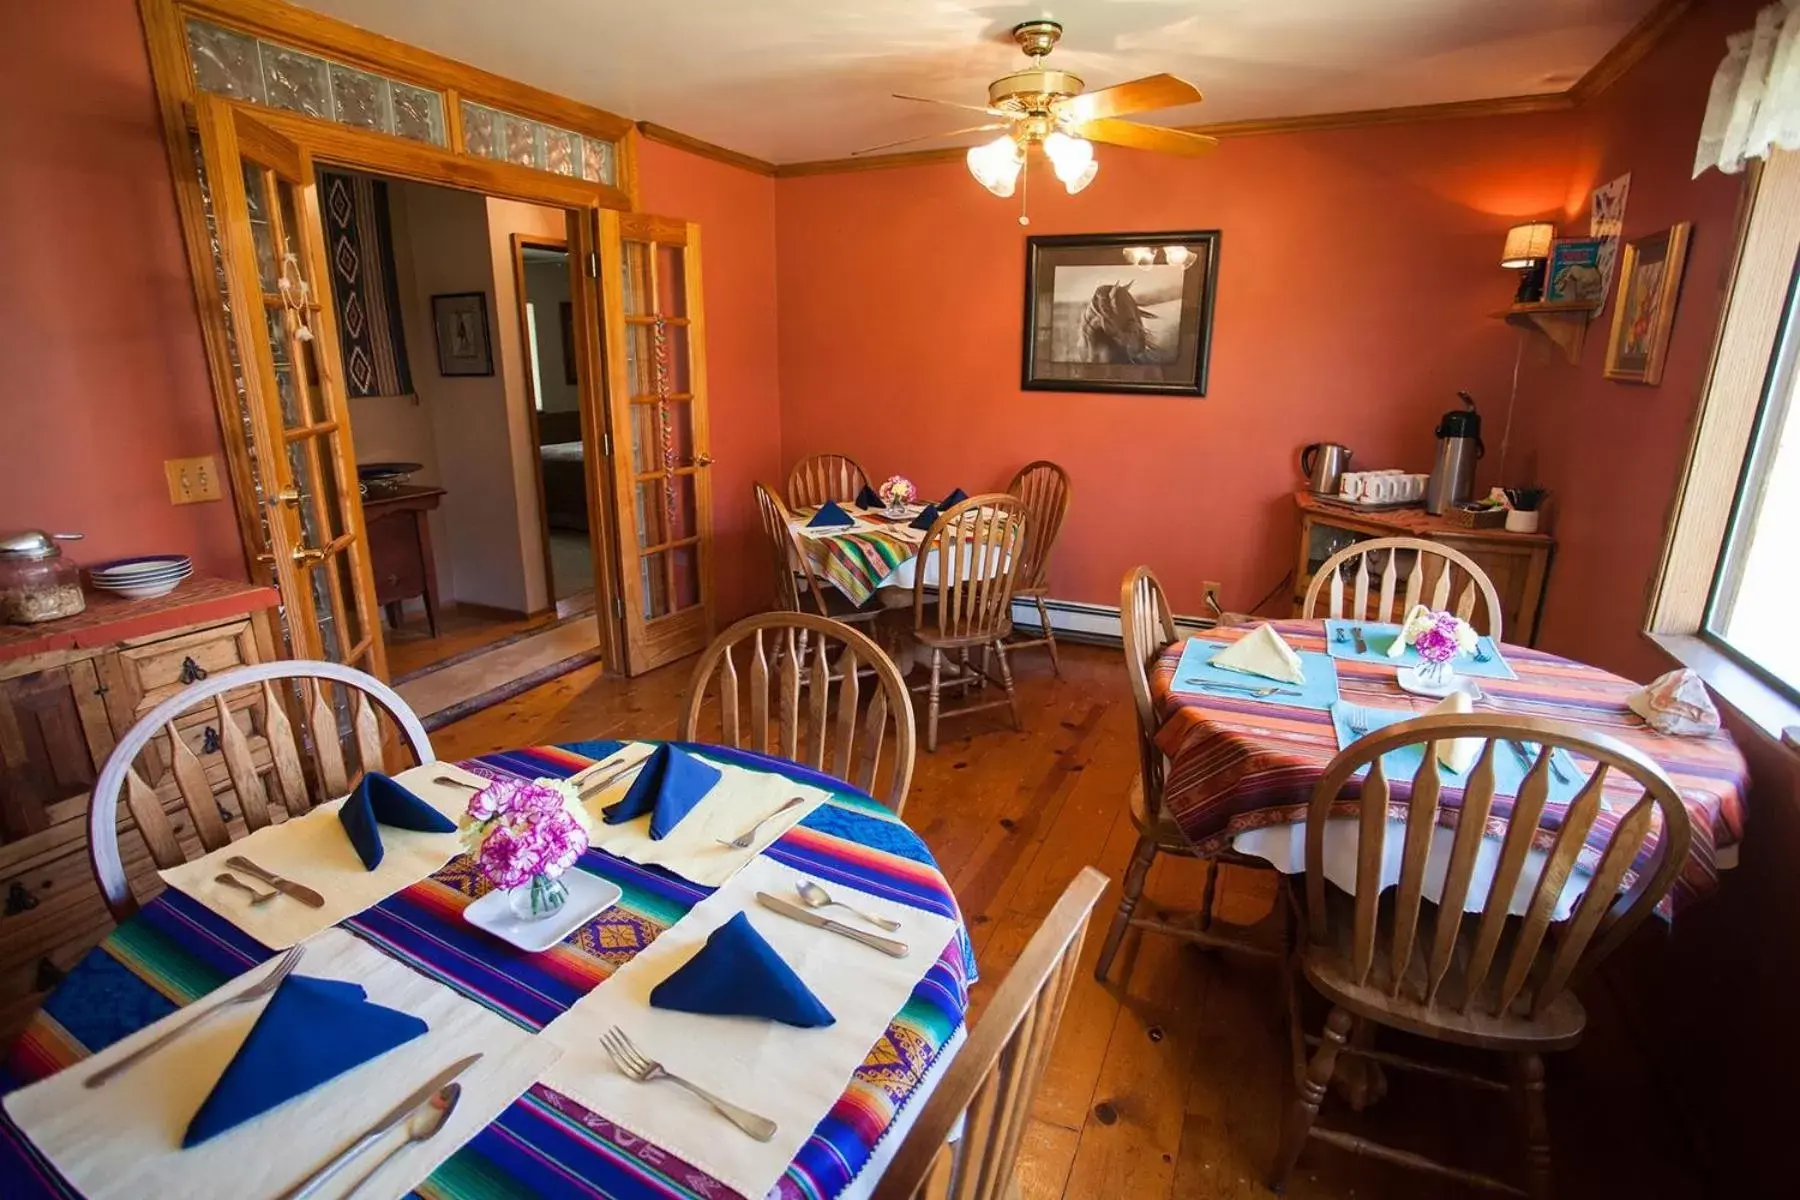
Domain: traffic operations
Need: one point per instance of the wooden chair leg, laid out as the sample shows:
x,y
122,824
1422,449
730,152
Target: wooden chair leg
x,y
1312,1092
1528,1074
931,704
1049,636
1006,680
1135,874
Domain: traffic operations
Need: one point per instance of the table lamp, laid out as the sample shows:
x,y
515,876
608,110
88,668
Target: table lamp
x,y
1527,246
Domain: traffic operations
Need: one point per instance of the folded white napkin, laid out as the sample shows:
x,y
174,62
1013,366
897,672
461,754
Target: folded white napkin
x,y
315,851
1458,754
1262,652
1676,703
1417,621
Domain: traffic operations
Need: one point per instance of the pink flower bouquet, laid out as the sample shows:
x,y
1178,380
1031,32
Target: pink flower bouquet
x,y
1438,636
897,491
524,836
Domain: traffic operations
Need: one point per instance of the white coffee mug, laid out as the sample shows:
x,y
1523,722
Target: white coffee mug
x,y
1350,487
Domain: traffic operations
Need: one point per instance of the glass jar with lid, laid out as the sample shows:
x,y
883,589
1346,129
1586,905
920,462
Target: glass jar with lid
x,y
36,582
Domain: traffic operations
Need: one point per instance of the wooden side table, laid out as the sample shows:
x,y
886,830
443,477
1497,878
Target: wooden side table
x,y
400,551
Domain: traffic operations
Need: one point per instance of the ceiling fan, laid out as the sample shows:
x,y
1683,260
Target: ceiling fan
x,y
1044,107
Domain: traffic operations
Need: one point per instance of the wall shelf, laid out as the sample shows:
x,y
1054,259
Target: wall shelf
x,y
1563,323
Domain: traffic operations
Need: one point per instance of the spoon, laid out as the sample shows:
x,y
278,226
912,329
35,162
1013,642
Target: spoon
x,y
257,899
421,1126
814,896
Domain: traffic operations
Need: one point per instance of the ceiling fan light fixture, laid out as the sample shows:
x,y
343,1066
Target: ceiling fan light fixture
x,y
1082,180
1069,156
996,164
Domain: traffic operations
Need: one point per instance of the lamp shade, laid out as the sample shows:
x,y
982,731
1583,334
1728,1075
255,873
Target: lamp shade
x,y
1526,244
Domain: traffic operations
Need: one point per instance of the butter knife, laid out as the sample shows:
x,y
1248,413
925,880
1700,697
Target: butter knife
x,y
888,946
1362,647
590,790
373,1134
298,891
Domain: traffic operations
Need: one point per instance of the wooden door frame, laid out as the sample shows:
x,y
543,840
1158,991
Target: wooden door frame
x,y
380,154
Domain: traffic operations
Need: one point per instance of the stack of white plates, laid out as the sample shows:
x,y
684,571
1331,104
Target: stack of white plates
x,y
142,578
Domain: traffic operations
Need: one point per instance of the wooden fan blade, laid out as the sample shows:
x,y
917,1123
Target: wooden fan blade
x,y
1146,137
927,137
994,112
1139,95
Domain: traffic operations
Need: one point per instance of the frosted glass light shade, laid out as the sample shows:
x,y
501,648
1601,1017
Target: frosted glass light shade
x,y
1526,244
995,165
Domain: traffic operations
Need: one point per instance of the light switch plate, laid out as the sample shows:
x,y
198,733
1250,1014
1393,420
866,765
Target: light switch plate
x,y
192,480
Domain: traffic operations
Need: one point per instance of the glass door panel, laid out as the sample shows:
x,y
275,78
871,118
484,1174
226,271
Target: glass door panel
x,y
651,276
273,249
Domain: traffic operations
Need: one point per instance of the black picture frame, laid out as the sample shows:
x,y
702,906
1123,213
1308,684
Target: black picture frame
x,y
1056,359
456,317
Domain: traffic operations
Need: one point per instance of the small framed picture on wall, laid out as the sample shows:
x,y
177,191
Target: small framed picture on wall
x,y
460,321
1120,312
1649,286
1573,274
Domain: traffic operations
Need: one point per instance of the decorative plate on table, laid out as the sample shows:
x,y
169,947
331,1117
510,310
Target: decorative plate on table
x,y
589,895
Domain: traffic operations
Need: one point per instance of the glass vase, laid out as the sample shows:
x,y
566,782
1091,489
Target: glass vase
x,y
896,508
1437,674
540,898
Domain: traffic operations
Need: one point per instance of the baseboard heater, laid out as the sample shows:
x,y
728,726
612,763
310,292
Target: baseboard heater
x,y
1096,623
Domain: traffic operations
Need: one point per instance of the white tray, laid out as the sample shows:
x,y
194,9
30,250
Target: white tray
x,y
589,895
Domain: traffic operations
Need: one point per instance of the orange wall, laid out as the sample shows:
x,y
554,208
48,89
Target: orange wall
x,y
104,372
1356,271
1613,452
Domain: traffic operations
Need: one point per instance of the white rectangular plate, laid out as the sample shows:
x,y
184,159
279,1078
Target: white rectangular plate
x,y
588,895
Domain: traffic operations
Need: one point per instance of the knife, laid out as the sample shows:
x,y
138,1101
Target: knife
x,y
298,891
590,790
1362,647
806,916
373,1134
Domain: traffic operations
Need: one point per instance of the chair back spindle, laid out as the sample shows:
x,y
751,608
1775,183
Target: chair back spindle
x,y
990,1086
179,810
802,679
821,477
1428,957
977,549
1433,566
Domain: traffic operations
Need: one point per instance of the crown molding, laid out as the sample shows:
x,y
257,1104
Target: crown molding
x,y
1624,55
693,145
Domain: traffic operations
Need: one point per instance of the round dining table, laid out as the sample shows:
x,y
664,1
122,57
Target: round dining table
x,y
174,951
1241,768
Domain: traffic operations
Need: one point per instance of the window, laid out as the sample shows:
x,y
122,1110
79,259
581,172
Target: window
x,y
1759,572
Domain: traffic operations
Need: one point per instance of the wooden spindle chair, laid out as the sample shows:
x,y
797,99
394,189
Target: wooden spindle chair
x,y
976,547
797,586
1482,978
1432,563
1044,487
177,799
821,477
990,1086
802,679
1148,628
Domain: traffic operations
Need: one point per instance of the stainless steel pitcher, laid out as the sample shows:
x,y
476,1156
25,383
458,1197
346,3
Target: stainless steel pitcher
x,y
1322,465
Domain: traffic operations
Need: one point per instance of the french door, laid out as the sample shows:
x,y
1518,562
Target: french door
x,y
297,428
662,489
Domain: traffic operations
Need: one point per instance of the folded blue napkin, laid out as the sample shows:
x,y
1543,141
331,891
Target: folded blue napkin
x,y
926,517
830,516
957,496
868,499
738,974
378,800
668,786
311,1031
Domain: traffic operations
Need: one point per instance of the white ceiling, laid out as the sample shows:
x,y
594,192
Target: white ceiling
x,y
794,80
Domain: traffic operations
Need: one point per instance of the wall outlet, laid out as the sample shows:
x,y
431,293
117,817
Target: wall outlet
x,y
192,480
1209,596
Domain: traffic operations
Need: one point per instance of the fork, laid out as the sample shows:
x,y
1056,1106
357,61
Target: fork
x,y
267,984
742,841
635,1066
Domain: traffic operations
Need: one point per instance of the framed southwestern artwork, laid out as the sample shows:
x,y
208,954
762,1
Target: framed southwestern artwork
x,y
1120,312
1649,285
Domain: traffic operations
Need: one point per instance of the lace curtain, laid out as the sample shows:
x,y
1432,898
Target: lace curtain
x,y
1755,103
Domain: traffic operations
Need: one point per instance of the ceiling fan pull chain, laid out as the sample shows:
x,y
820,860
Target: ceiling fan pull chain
x,y
1024,187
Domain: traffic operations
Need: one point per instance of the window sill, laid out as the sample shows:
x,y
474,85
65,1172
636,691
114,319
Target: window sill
x,y
1755,701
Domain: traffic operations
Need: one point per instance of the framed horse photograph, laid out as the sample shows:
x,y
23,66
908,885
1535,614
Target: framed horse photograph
x,y
1120,312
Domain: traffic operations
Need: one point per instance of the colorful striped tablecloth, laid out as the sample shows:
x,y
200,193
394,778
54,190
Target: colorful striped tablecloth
x,y
1237,763
862,558
545,1145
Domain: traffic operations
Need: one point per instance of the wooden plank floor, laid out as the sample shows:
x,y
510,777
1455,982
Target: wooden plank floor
x,y
1170,1080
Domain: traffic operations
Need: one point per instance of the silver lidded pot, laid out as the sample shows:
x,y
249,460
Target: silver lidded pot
x,y
36,582
1459,447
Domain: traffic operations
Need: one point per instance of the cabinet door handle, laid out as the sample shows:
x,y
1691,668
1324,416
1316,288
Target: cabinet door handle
x,y
191,671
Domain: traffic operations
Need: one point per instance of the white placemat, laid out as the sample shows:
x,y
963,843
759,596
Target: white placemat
x,y
123,1139
691,849
314,850
791,1076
